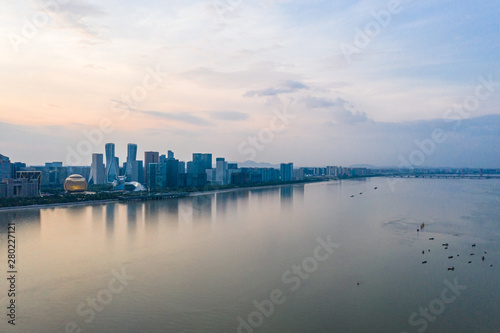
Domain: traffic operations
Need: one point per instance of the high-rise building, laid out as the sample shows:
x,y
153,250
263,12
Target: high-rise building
x,y
221,171
112,168
189,167
298,174
132,167
150,157
17,166
201,162
170,155
182,167
232,168
157,176
140,172
5,167
286,172
97,171
172,166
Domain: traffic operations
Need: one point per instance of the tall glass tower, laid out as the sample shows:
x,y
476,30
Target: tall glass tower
x,y
112,170
131,172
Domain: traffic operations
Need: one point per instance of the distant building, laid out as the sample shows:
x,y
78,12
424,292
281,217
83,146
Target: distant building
x,y
170,155
172,172
211,176
5,167
112,163
221,171
97,170
232,168
140,172
31,176
75,183
182,167
298,174
286,172
53,165
201,162
132,165
149,157
19,188
269,174
189,167
17,166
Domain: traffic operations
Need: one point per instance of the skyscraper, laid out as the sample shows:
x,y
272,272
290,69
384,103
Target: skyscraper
x,y
286,172
221,171
150,157
132,167
112,169
5,167
97,170
201,162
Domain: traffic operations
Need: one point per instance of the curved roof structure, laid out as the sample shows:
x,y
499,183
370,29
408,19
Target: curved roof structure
x,y
75,183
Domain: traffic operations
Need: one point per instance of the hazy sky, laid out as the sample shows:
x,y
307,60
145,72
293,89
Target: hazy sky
x,y
307,81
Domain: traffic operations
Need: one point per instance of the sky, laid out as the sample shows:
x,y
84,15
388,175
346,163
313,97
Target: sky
x,y
386,83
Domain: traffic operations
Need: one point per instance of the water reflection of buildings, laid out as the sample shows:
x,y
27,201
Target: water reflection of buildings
x,y
172,210
28,217
151,212
202,207
286,194
265,191
223,200
291,194
97,213
110,217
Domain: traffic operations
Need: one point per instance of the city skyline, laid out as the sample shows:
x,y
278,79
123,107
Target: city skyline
x,y
268,81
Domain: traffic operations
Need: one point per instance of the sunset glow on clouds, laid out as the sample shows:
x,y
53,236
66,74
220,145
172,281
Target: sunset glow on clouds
x,y
224,67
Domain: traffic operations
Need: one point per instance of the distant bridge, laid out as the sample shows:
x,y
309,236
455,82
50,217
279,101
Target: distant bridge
x,y
443,176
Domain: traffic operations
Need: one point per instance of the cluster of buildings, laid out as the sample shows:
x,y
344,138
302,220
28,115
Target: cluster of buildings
x,y
156,172
16,182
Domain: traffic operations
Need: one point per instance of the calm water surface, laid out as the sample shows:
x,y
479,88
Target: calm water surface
x,y
200,264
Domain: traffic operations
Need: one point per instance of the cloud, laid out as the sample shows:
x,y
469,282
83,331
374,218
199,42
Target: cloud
x,y
255,75
286,87
229,115
77,16
94,66
184,117
345,116
318,102
338,109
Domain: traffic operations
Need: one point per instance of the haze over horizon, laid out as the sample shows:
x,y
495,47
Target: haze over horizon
x,y
334,83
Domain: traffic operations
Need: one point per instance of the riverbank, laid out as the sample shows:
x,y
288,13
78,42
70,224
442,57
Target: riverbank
x,y
62,204
193,193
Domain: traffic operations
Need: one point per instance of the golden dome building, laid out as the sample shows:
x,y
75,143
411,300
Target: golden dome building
x,y
75,183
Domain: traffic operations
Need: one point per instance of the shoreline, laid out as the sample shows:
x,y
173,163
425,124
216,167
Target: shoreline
x,y
62,204
189,194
